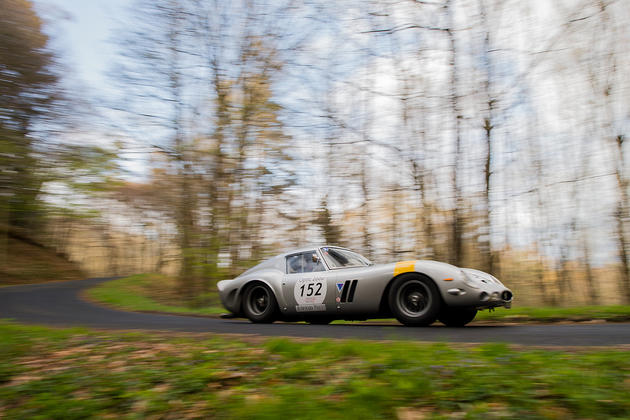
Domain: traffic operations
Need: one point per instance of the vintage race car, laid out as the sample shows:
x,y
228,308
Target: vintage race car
x,y
321,284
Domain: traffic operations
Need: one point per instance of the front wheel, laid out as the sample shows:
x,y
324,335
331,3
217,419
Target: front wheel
x,y
414,300
457,317
259,304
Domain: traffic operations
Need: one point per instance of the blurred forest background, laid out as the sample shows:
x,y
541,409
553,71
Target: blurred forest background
x,y
485,133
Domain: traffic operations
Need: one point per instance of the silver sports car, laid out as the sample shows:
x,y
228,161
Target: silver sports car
x,y
321,284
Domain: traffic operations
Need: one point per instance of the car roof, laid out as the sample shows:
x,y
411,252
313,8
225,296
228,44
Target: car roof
x,y
308,248
273,260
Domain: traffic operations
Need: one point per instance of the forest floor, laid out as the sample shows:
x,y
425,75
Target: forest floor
x,y
158,293
77,373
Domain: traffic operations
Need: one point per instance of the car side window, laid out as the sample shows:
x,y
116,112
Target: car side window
x,y
306,262
294,264
312,262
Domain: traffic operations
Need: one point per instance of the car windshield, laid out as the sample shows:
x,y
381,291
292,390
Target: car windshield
x,y
340,258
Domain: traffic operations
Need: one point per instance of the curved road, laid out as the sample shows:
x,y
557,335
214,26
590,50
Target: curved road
x,y
58,304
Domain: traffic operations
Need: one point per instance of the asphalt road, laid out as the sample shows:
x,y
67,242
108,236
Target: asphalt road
x,y
58,304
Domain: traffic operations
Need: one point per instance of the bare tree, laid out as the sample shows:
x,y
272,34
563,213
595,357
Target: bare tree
x,y
607,88
457,115
488,257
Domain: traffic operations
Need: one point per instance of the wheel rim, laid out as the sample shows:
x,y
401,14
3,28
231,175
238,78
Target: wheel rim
x,y
414,299
258,301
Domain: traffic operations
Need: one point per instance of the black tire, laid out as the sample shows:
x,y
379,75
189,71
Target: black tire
x,y
320,320
414,300
457,317
259,304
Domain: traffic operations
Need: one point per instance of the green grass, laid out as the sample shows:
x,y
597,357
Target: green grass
x,y
613,313
146,292
65,374
157,293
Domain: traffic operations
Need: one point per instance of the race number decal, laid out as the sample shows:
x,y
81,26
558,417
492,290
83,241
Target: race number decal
x,y
310,291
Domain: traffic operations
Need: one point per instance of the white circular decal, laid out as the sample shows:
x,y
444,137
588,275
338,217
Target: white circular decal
x,y
310,291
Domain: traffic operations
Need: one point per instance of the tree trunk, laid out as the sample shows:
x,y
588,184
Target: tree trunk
x,y
365,211
487,255
624,286
593,291
456,254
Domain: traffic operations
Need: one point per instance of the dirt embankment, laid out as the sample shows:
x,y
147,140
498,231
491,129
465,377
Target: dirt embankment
x,y
23,260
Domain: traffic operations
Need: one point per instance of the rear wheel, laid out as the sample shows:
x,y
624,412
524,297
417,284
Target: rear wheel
x,y
259,304
457,317
414,300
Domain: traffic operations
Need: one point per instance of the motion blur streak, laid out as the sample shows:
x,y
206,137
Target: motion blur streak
x,y
489,134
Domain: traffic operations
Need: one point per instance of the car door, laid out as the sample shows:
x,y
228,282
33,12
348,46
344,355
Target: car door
x,y
308,286
360,290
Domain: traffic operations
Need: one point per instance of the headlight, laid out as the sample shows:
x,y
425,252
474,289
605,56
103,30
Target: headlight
x,y
469,281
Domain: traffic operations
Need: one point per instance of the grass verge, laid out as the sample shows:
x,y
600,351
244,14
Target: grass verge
x,y
65,374
157,293
148,293
610,313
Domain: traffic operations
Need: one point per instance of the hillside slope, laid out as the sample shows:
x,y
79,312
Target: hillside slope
x,y
25,261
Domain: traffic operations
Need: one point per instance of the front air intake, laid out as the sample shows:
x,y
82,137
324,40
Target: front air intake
x,y
506,295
